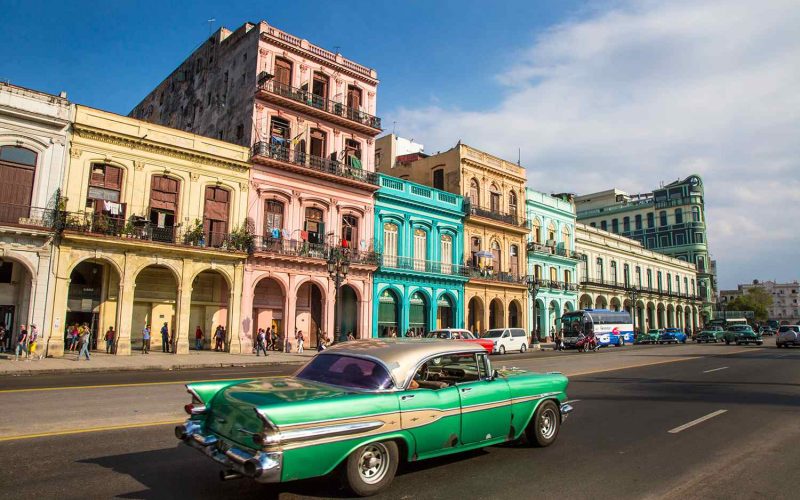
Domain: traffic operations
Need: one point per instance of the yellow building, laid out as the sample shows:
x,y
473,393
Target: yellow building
x,y
495,226
152,232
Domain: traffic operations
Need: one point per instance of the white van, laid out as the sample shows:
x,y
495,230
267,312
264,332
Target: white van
x,y
507,339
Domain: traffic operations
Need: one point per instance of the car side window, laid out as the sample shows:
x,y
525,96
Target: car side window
x,y
445,371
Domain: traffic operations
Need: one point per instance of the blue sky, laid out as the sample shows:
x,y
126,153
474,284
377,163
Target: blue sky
x,y
601,94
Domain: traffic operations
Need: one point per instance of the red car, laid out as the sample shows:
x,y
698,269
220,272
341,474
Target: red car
x,y
460,334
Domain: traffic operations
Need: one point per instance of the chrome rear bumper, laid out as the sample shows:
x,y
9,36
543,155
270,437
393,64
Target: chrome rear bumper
x,y
565,411
264,467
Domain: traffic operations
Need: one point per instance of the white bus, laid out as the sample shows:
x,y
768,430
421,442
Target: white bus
x,y
610,327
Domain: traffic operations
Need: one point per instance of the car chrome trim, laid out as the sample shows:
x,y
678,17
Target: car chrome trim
x,y
330,431
565,409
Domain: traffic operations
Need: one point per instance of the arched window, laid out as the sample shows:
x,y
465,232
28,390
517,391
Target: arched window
x,y
598,269
567,276
678,216
551,233
695,214
495,199
537,271
350,231
215,215
512,202
164,196
537,231
614,272
446,253
314,226
554,274
496,263
17,170
273,218
474,193
474,248
565,238
513,260
390,245
420,249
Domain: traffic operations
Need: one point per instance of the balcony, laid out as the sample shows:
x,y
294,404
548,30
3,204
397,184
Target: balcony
x,y
288,158
615,285
423,266
27,216
305,102
558,285
489,274
511,219
538,248
307,250
138,229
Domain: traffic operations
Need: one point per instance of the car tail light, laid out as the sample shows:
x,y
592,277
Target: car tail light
x,y
195,409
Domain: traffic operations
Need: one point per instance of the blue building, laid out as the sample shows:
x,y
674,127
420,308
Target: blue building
x,y
552,259
419,283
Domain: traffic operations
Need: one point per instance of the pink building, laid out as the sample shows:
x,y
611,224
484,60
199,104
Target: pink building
x,y
308,115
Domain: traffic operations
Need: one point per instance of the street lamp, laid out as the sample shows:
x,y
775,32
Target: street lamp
x,y
533,288
634,293
338,267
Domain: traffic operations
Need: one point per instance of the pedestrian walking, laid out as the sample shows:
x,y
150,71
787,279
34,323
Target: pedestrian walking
x,y
109,337
165,338
85,341
33,343
276,340
198,339
299,338
287,346
146,339
261,342
3,337
219,338
22,343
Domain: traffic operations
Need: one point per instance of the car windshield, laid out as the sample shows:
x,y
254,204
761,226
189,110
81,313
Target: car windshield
x,y
347,371
493,334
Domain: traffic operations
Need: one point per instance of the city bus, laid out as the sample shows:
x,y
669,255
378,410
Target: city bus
x,y
610,327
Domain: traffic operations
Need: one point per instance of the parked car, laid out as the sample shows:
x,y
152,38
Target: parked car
x,y
671,335
788,335
742,334
713,333
507,339
461,334
651,336
765,330
362,407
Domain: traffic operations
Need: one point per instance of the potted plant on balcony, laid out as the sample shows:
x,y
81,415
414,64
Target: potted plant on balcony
x,y
242,239
195,234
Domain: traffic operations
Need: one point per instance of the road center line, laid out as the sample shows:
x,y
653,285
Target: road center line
x,y
696,421
716,369
89,429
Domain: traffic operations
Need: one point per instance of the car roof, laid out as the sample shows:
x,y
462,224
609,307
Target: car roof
x,y
400,356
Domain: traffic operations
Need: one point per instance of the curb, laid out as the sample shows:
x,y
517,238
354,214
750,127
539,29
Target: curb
x,y
92,369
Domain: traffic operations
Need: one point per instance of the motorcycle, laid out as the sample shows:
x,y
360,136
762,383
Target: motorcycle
x,y
587,343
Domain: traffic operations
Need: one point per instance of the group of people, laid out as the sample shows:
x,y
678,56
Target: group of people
x,y
218,338
168,344
79,339
391,332
267,340
26,343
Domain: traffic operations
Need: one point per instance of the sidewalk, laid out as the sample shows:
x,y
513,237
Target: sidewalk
x,y
137,361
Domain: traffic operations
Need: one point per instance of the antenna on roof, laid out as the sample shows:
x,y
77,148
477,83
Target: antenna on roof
x,y
519,157
210,24
394,125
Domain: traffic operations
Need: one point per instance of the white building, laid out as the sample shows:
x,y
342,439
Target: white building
x,y
33,144
616,268
785,299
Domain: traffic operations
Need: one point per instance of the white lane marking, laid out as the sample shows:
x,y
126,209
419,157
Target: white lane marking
x,y
716,369
697,421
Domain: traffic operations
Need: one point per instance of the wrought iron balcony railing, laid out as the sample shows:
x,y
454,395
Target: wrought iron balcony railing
x,y
616,285
491,275
505,217
423,266
534,247
294,156
303,96
141,229
306,249
27,216
558,285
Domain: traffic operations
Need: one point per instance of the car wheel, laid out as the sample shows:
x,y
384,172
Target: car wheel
x,y
544,427
501,350
523,348
683,341
371,468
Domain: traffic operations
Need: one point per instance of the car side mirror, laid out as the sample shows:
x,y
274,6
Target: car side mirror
x,y
495,374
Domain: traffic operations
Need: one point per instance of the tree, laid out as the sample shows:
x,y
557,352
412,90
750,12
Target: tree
x,y
756,299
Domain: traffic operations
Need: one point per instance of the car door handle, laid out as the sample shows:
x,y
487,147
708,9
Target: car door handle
x,y
408,396
466,389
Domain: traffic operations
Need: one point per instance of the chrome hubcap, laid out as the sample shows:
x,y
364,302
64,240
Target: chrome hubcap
x,y
547,423
373,463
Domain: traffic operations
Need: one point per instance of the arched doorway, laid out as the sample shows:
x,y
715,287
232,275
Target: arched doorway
x,y
615,305
348,315
651,320
514,315
475,316
308,313
444,312
553,317
388,313
661,313
417,314
541,319
670,316
209,308
88,282
600,302
640,317
679,317
268,307
154,304
495,314
585,302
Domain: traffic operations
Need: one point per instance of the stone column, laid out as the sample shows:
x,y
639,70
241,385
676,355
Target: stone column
x,y
125,316
184,306
55,340
291,306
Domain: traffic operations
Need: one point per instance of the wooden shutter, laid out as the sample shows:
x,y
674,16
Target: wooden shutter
x,y
283,71
164,193
353,97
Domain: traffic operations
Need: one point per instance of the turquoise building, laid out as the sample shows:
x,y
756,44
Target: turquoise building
x,y
552,259
419,283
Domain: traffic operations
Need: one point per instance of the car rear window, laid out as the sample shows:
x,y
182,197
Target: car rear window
x,y
784,329
346,371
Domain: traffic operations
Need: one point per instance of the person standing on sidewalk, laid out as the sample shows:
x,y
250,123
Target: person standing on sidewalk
x,y
198,339
146,340
165,338
33,337
109,339
299,338
85,340
261,342
3,335
22,343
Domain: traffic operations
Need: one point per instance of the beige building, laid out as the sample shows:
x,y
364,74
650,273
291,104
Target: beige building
x,y
618,271
495,227
785,306
151,233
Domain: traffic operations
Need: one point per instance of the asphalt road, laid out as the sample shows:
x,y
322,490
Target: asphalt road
x,y
617,444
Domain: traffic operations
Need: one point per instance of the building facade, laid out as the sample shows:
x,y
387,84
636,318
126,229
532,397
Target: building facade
x,y
495,227
34,129
308,116
670,220
419,284
785,306
152,232
552,259
617,272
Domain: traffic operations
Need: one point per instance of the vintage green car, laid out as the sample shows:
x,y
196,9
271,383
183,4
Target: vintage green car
x,y
742,334
650,337
361,407
712,334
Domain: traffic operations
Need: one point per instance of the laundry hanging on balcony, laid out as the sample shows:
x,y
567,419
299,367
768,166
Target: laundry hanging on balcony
x,y
355,162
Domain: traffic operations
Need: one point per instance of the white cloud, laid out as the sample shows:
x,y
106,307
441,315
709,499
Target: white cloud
x,y
652,91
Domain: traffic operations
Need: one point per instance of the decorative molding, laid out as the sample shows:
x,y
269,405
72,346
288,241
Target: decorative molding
x,y
263,52
195,176
75,152
138,165
371,93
